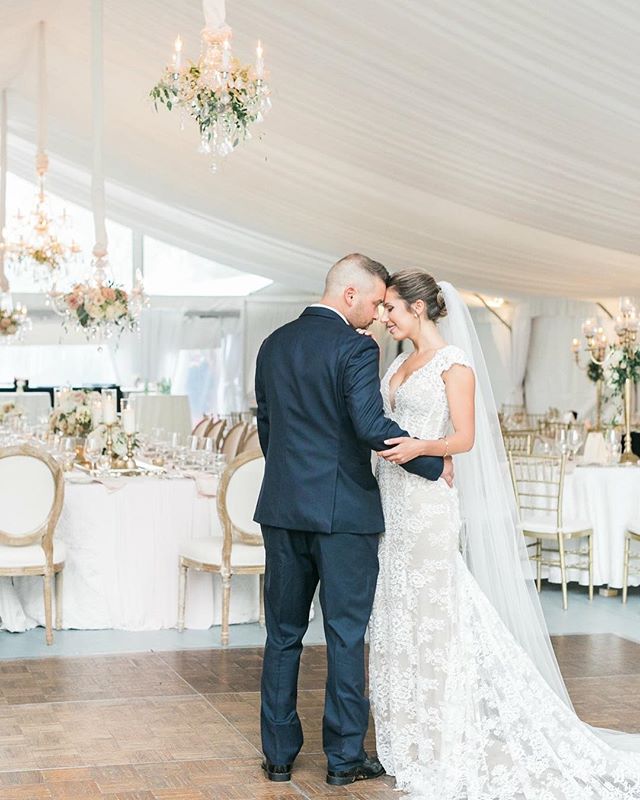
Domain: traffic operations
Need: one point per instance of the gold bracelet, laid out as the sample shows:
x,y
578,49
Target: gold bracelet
x,y
446,447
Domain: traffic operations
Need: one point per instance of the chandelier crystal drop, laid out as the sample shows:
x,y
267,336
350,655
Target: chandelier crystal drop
x,y
220,93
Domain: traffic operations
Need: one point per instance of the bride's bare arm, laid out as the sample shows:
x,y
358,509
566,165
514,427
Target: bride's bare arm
x,y
460,385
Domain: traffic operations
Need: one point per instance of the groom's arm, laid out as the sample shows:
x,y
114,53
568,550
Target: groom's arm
x,y
262,418
361,385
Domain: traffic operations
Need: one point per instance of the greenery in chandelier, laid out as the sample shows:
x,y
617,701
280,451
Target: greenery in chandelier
x,y
624,364
595,372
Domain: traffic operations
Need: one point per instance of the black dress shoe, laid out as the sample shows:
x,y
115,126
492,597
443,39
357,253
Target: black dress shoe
x,y
277,772
369,768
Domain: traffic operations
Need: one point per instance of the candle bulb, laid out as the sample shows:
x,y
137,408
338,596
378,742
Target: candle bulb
x,y
109,415
177,54
575,345
128,419
259,60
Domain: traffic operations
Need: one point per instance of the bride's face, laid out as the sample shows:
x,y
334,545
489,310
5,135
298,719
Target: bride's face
x,y
400,321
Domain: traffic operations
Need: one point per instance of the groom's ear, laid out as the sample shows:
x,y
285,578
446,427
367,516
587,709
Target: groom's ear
x,y
350,294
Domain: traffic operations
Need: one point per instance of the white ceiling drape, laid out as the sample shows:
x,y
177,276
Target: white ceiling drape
x,y
495,143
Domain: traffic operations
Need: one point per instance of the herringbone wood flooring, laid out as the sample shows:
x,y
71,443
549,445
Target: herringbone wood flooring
x,y
185,725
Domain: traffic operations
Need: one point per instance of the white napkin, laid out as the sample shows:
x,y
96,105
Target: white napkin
x,y
595,449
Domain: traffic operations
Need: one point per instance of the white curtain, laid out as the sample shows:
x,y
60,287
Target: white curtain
x,y
495,340
520,337
152,353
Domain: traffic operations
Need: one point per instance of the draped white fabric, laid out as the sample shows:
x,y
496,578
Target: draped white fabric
x,y
520,338
495,143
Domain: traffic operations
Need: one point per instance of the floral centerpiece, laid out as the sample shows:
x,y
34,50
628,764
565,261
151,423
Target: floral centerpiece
x,y
623,365
72,417
8,410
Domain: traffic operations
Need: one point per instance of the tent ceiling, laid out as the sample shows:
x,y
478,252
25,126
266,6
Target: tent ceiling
x,y
495,143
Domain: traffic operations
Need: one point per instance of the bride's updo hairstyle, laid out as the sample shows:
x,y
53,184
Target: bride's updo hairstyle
x,y
416,284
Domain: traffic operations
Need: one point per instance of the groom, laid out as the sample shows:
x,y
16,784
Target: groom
x,y
319,416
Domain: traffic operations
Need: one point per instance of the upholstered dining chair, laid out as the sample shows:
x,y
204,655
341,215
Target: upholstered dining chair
x,y
240,549
216,432
632,534
31,497
538,482
233,440
201,427
251,442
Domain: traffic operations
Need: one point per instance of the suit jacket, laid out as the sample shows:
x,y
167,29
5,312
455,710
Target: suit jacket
x,y
320,414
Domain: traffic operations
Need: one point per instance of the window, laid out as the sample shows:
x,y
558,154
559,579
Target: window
x,y
169,270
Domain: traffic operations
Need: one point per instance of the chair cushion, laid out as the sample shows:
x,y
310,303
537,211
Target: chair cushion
x,y
543,525
31,555
209,551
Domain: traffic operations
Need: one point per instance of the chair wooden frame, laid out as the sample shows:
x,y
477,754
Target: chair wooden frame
x,y
250,442
224,568
629,537
42,536
238,430
215,431
202,426
531,496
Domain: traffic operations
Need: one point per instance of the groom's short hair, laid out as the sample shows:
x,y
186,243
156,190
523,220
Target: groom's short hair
x,y
347,268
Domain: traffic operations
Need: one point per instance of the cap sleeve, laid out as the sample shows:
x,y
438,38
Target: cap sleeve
x,y
451,355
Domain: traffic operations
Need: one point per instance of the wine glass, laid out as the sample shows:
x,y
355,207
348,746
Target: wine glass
x,y
67,453
93,450
575,439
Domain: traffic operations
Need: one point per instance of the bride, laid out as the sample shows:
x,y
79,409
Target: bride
x,y
467,697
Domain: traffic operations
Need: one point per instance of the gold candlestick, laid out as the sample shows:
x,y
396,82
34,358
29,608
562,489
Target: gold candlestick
x,y
109,443
130,462
628,457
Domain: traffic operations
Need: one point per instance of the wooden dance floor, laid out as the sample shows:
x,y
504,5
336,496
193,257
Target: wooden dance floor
x,y
185,725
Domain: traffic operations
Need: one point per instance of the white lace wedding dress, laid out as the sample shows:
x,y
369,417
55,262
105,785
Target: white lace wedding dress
x,y
461,712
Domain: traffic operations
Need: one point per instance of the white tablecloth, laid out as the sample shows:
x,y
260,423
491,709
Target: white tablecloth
x,y
168,411
609,497
32,404
122,561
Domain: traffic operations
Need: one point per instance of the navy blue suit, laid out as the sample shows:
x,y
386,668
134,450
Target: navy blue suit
x,y
320,414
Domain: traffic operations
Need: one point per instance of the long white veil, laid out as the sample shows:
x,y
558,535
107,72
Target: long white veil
x,y
495,550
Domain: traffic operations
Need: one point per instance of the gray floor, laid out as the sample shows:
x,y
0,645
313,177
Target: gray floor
x,y
604,615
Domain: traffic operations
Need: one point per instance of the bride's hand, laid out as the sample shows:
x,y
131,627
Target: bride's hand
x,y
405,449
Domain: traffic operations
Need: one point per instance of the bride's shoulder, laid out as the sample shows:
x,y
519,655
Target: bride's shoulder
x,y
449,355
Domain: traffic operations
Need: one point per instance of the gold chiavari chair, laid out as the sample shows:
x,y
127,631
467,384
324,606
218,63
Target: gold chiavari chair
x,y
520,442
632,534
538,482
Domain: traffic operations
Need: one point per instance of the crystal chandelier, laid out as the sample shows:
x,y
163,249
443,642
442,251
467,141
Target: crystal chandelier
x,y
220,93
97,306
14,322
38,241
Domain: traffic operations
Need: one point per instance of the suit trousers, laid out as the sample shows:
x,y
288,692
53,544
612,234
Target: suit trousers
x,y
346,566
